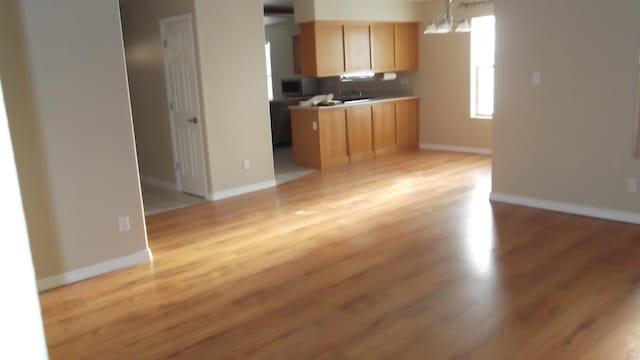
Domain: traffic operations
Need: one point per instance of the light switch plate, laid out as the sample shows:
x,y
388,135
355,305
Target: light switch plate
x,y
536,78
632,185
124,224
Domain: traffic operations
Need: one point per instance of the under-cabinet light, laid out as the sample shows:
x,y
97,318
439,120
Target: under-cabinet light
x,y
367,75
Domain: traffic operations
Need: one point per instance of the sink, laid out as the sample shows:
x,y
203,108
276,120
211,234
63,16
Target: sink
x,y
354,99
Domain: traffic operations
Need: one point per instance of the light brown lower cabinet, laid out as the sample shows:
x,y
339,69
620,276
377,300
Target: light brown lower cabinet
x,y
325,138
384,128
407,128
305,139
319,138
332,126
359,133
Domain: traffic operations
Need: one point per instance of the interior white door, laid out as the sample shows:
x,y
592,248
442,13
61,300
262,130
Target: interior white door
x,y
182,90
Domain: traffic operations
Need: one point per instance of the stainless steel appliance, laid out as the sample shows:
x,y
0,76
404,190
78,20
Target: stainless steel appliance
x,y
301,87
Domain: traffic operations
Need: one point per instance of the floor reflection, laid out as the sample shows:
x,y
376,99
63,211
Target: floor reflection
x,y
479,229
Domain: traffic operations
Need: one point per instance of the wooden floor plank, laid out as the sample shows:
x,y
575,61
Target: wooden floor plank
x,y
398,257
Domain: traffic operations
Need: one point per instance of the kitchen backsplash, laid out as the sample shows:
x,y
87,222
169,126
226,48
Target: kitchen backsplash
x,y
404,85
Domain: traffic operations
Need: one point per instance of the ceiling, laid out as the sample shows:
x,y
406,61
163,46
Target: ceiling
x,y
268,20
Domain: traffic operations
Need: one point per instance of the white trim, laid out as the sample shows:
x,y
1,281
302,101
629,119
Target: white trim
x,y
225,194
94,270
152,180
452,148
607,214
165,61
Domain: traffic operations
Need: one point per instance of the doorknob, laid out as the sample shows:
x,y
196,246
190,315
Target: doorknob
x,y
193,120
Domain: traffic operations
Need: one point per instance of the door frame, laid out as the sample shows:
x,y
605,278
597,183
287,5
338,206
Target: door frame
x,y
163,22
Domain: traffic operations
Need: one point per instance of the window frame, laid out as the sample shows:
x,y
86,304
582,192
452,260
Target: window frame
x,y
476,67
267,52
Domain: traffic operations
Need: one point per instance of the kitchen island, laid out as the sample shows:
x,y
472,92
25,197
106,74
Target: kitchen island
x,y
327,136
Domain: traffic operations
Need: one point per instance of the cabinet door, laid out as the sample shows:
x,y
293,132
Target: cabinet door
x,y
357,47
297,54
407,125
322,49
384,128
308,61
406,46
304,138
360,133
382,47
333,137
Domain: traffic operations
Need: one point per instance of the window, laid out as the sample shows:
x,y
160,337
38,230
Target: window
x,y
483,44
267,50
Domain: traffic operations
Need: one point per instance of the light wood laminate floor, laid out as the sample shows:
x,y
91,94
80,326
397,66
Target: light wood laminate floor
x,y
402,257
285,168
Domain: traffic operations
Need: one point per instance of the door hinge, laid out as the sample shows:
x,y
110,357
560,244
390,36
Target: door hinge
x,y
164,44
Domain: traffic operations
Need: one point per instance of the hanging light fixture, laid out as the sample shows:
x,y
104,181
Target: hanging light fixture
x,y
464,26
431,28
446,25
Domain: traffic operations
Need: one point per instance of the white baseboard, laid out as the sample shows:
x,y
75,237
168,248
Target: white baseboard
x,y
152,180
460,149
621,216
219,195
94,270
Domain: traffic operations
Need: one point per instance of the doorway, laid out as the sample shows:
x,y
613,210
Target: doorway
x,y
161,60
281,35
181,79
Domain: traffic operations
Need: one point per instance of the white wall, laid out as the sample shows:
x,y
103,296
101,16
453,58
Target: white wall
x,y
570,139
81,121
230,36
445,85
304,10
21,325
357,10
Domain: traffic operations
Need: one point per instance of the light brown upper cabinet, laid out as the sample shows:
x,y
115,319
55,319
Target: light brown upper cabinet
x,y
357,47
383,55
322,49
297,54
331,49
406,46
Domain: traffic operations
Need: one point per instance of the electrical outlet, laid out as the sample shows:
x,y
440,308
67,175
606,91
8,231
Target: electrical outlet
x,y
246,165
124,224
315,126
632,185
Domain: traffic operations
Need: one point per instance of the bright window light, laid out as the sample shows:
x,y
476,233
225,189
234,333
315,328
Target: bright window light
x,y
483,44
267,50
